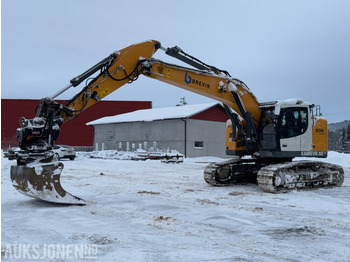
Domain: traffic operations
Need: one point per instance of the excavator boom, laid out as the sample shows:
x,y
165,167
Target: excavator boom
x,y
218,87
120,68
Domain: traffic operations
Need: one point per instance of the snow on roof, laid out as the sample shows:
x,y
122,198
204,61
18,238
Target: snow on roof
x,y
148,115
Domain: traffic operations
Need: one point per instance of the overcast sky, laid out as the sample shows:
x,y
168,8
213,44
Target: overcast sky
x,y
280,49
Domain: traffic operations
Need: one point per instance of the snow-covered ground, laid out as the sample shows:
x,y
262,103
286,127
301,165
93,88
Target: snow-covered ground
x,y
152,211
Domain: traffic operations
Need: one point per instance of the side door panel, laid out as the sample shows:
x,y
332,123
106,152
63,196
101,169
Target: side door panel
x,y
294,130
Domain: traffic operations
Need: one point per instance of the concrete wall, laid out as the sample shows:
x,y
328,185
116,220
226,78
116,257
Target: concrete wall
x,y
211,133
167,133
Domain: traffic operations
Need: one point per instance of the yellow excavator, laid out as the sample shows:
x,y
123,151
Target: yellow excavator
x,y
263,138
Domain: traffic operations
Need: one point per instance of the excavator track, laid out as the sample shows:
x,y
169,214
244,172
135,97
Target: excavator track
x,y
301,175
231,172
275,178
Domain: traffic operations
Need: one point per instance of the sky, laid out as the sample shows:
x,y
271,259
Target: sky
x,y
280,49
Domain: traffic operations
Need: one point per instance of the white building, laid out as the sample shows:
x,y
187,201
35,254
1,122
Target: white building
x,y
193,130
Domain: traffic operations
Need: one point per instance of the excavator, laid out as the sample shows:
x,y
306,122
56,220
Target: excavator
x,y
262,138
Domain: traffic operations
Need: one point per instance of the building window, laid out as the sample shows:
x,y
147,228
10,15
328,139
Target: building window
x,y
198,144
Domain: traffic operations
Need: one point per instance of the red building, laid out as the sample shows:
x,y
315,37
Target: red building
x,y
74,133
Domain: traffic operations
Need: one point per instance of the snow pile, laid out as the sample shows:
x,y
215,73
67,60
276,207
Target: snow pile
x,y
110,154
291,101
339,158
139,154
333,157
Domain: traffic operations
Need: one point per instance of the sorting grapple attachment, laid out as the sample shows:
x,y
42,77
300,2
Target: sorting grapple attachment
x,y
42,181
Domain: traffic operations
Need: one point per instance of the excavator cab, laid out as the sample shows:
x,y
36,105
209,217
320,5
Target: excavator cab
x,y
285,129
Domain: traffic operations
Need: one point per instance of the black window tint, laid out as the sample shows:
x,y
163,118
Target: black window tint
x,y
294,121
198,144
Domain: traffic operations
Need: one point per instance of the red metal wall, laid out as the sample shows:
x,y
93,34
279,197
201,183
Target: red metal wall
x,y
215,113
74,132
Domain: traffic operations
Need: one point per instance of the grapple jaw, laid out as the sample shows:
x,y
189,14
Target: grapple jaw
x,y
41,179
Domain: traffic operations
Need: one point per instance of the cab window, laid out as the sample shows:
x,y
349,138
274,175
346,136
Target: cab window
x,y
294,121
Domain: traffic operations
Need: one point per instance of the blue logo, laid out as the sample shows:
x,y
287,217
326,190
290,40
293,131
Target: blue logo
x,y
188,78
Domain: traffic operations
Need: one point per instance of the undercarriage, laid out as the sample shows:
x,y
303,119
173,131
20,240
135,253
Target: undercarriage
x,y
275,177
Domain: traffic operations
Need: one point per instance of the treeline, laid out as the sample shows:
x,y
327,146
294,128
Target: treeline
x,y
339,139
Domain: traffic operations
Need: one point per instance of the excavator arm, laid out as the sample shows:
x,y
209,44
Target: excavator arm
x,y
121,67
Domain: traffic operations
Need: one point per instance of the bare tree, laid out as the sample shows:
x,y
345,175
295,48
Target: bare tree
x,y
182,102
